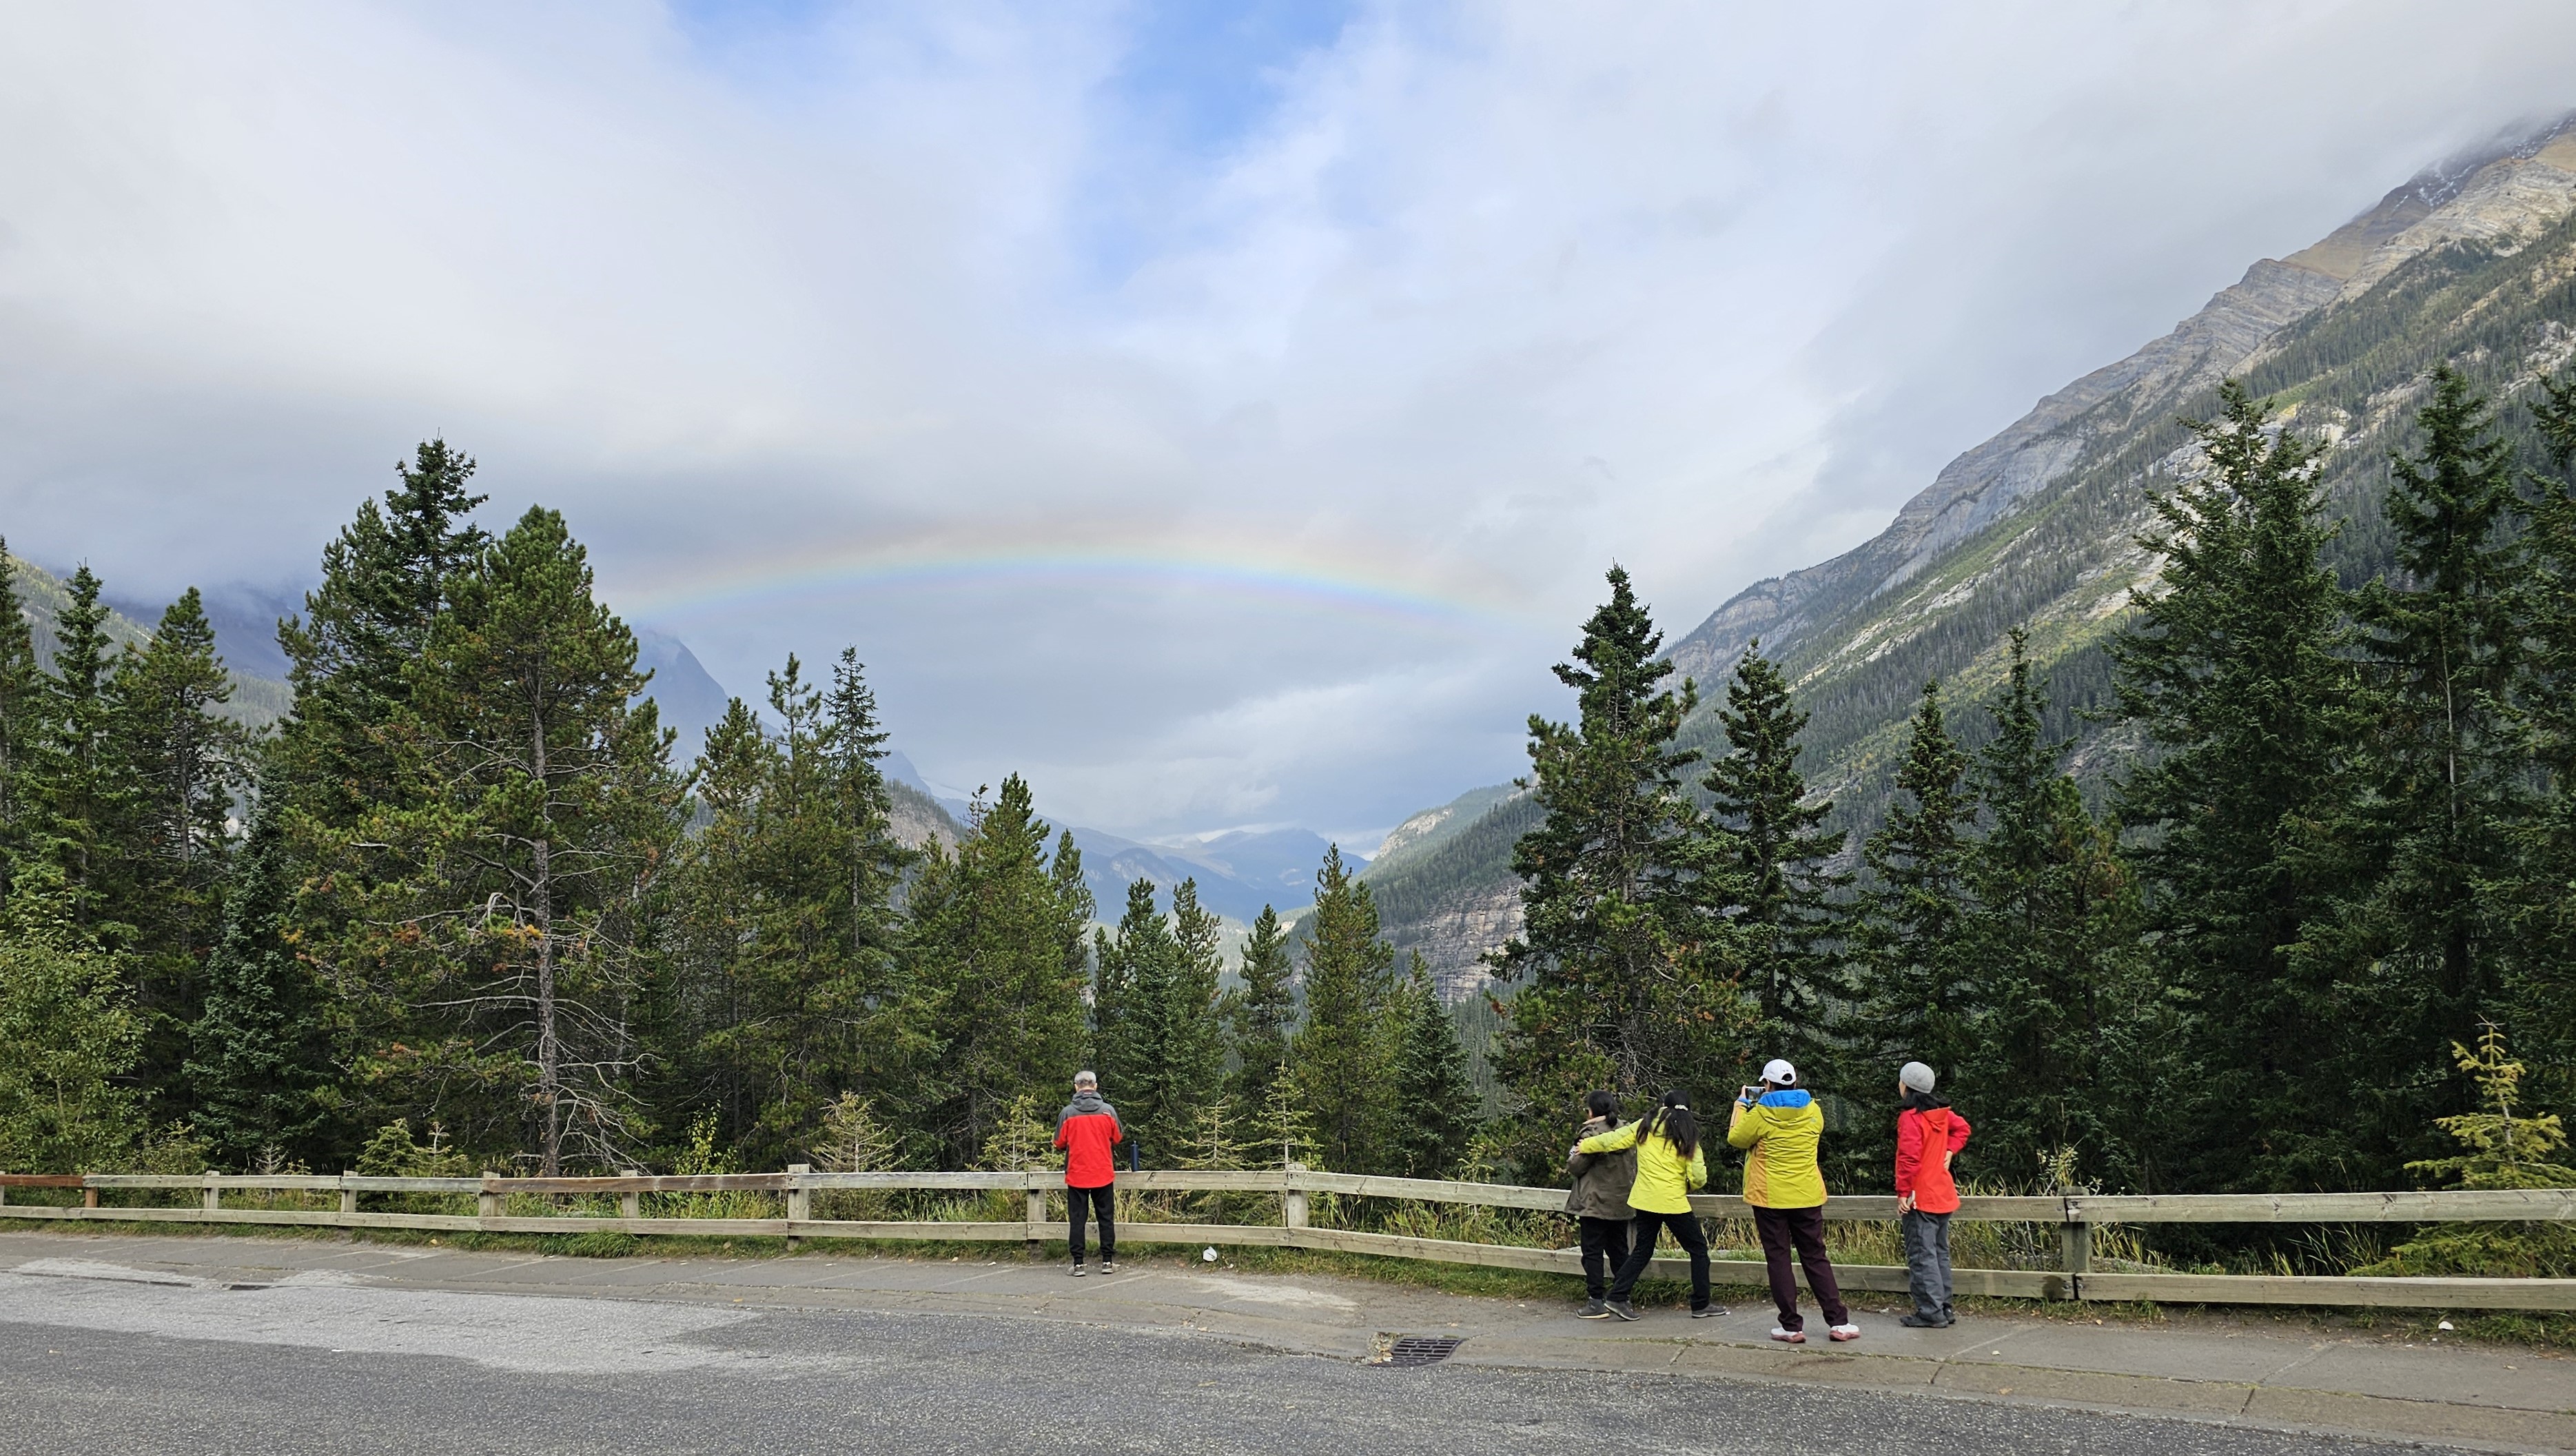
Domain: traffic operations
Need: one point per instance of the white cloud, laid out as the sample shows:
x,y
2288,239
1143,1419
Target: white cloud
x,y
1492,296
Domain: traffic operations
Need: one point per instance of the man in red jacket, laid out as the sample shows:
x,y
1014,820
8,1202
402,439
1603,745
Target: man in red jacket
x,y
1928,1132
1086,1132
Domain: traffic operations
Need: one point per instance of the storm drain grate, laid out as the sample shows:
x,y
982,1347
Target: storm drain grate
x,y
1406,1351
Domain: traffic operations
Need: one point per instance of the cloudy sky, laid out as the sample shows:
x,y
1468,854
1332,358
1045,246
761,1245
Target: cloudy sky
x,y
1221,414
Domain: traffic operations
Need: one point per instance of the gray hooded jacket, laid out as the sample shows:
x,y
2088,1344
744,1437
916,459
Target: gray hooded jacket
x,y
1601,1180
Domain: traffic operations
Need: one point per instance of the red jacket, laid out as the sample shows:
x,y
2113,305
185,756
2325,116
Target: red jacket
x,y
1944,1132
1086,1131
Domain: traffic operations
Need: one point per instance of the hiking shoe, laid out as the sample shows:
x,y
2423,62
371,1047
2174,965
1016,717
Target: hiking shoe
x,y
1789,1337
1106,1267
1620,1307
1842,1334
1594,1309
1079,1271
1708,1311
1923,1322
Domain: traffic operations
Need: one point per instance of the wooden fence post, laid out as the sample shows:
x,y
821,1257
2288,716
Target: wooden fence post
x,y
2075,1250
800,1201
1037,1216
630,1205
348,1195
1292,1204
89,1194
214,1194
487,1204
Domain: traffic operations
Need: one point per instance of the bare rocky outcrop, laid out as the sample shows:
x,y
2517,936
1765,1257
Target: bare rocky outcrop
x,y
1454,936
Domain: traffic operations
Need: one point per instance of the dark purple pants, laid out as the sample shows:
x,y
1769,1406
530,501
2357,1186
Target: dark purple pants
x,y
1781,1228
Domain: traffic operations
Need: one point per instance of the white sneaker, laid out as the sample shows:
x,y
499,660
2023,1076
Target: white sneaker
x,y
1788,1337
1842,1333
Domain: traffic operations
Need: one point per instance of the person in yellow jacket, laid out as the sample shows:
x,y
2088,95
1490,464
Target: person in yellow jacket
x,y
1670,1167
1779,1125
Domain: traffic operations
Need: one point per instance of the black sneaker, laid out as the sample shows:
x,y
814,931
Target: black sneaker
x,y
1922,1322
1079,1271
1594,1309
1622,1308
1708,1311
1107,1267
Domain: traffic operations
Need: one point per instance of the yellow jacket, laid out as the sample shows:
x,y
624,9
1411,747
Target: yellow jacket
x,y
1783,1130
1664,1181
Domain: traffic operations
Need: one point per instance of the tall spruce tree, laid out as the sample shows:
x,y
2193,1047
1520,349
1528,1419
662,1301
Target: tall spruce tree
x,y
2417,941
2053,935
184,763
1623,980
503,939
2540,1000
81,792
1918,987
1774,883
785,924
1435,1104
21,716
2237,670
998,949
259,1071
1261,1013
1345,1055
384,582
1130,969
1179,1046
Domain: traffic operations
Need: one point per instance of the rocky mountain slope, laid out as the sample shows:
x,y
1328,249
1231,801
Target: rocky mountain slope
x,y
2473,261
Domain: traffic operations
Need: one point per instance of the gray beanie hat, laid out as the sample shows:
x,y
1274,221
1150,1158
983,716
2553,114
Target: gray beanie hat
x,y
1915,1075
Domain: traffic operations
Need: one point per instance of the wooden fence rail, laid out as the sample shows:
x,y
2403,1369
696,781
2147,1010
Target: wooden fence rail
x,y
2075,1217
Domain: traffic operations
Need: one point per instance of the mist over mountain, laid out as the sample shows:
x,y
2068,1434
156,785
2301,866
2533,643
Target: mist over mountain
x,y
2472,261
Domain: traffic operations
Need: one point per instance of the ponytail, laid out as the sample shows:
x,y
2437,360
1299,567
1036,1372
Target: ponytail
x,y
1676,1124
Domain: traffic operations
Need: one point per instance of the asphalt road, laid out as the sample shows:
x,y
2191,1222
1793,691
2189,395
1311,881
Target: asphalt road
x,y
322,1365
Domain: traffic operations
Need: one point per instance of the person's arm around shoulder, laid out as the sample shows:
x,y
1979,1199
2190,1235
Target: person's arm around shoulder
x,y
1612,1141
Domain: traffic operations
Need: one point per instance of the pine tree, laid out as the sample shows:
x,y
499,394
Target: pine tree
x,y
1774,885
81,794
384,583
1128,967
2543,915
183,763
1261,1013
1918,990
2237,670
2417,940
1624,981
1435,1104
997,936
506,936
2054,927
21,716
1179,1046
1345,1055
259,1069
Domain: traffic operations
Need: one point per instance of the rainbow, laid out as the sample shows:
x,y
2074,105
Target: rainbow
x,y
1234,572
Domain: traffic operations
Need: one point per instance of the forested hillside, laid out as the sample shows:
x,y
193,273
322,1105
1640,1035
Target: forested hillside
x,y
2474,262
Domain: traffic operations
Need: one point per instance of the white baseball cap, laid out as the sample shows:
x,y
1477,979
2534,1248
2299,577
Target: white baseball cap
x,y
1779,1073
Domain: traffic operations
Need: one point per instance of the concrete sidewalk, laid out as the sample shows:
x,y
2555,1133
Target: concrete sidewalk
x,y
2254,1374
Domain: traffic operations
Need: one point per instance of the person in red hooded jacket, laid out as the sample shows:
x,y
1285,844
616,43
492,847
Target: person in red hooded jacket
x,y
1928,1133
1087,1131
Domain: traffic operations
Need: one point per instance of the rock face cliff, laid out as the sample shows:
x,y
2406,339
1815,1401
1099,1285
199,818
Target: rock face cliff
x,y
2472,261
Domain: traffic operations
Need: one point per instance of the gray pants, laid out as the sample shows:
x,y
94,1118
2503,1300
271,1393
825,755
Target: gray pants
x,y
1927,1263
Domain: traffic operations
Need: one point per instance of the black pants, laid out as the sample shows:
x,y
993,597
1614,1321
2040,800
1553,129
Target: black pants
x,y
1804,1229
1686,1232
1103,1201
1605,1249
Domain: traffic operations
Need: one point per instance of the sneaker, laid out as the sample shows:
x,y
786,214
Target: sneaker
x,y
1922,1322
1078,1271
1107,1267
1594,1309
1622,1308
1844,1334
1708,1311
1789,1337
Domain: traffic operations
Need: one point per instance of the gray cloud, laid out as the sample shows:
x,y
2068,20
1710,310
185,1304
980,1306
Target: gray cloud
x,y
1275,506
